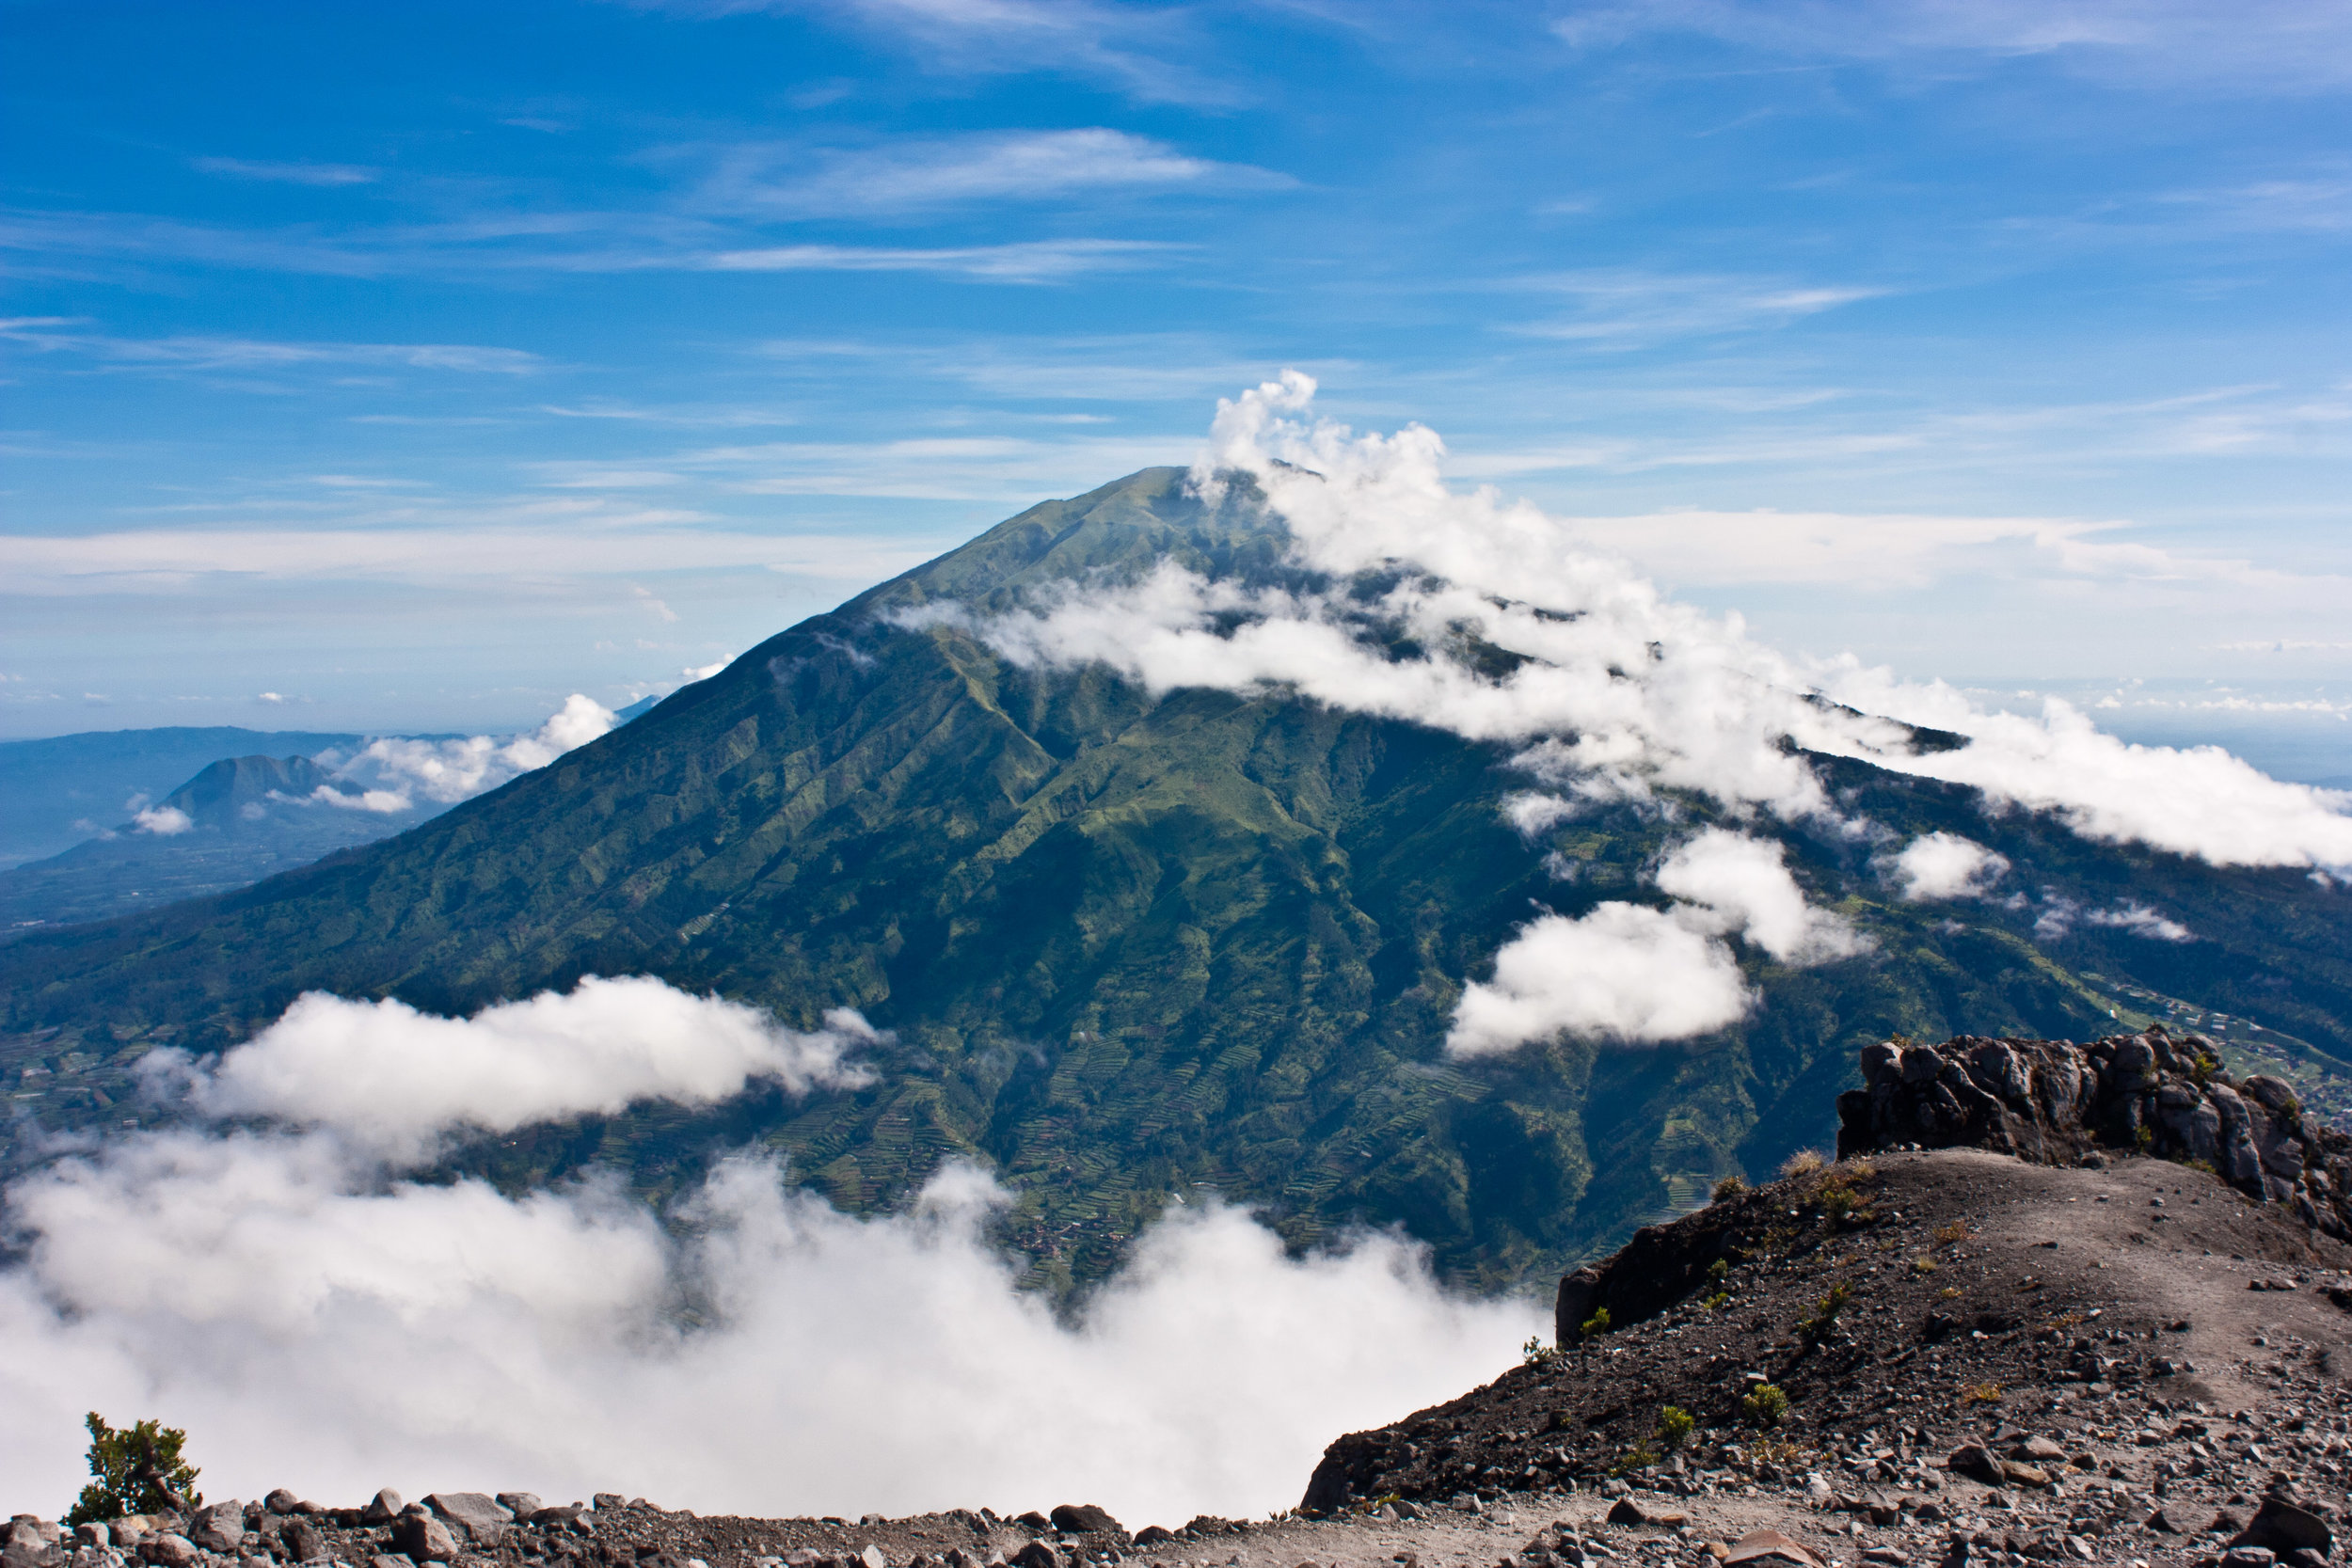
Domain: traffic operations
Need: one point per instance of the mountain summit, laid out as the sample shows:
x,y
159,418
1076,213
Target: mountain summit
x,y
1136,942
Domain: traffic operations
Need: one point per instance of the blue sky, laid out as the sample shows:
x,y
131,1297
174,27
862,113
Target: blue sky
x,y
417,365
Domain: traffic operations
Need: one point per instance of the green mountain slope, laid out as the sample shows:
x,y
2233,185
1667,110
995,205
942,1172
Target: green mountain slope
x,y
1129,947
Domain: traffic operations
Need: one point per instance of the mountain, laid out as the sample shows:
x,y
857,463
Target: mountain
x,y
238,821
1132,946
58,791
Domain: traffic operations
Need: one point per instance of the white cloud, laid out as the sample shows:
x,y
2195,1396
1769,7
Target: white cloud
x,y
434,546
389,1078
1746,882
2141,921
316,1322
1019,261
1619,688
202,352
1622,972
1625,971
161,821
916,174
1626,309
1944,865
397,768
2261,45
291,173
2059,914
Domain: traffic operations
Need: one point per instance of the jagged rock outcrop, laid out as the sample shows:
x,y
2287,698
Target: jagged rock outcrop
x,y
2060,1103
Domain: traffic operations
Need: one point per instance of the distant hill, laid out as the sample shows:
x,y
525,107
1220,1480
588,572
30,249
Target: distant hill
x,y
1135,946
56,792
240,819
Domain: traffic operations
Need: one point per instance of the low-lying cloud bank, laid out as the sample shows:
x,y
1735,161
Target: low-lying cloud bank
x,y
396,774
318,1322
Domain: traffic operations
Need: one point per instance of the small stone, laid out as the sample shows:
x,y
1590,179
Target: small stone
x,y
167,1550
304,1540
2162,1524
2035,1451
389,1559
382,1509
282,1501
1770,1545
522,1505
604,1500
2248,1556
92,1535
870,1558
1038,1554
1625,1511
1976,1462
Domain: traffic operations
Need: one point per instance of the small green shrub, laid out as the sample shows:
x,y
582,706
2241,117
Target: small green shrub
x,y
1536,1353
1764,1404
1709,1303
1719,1270
133,1468
1596,1323
1730,1186
1816,1328
1675,1426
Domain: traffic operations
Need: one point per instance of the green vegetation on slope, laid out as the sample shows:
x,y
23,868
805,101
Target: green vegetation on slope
x,y
1130,948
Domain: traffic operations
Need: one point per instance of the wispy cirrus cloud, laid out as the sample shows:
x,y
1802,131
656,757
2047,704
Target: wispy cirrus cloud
x,y
291,173
2258,45
1020,261
920,174
1146,50
584,243
1629,309
196,352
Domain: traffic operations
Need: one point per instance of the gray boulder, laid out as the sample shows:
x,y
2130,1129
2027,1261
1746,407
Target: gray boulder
x,y
475,1513
166,1549
2281,1527
522,1505
282,1501
305,1541
422,1538
1085,1519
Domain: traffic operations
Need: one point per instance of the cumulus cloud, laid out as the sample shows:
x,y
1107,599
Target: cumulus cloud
x,y
1629,972
393,773
1613,690
161,821
1745,881
1943,865
390,1078
1623,972
318,1322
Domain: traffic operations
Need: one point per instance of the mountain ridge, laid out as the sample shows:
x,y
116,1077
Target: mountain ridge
x,y
1129,946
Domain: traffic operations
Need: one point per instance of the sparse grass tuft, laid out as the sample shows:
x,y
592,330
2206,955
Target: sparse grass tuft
x,y
1923,1264
1730,1186
1950,1231
1804,1161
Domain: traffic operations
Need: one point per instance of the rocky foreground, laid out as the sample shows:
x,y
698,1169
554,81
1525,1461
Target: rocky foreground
x,y
2120,1339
